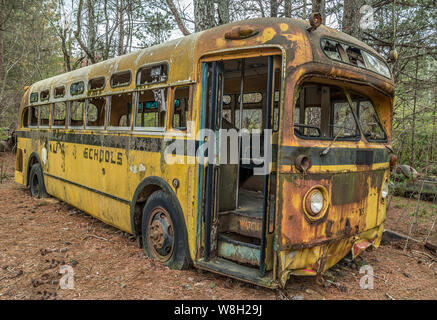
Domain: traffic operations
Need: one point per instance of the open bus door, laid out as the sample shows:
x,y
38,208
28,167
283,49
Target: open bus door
x,y
236,241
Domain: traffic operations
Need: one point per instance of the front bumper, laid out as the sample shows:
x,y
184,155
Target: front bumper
x,y
316,260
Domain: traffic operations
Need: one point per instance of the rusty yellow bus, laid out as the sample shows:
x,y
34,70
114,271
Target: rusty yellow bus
x,y
97,137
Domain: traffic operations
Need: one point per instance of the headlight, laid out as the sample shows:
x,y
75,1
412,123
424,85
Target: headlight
x,y
384,190
316,202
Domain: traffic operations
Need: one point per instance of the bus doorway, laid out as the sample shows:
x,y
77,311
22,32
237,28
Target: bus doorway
x,y
241,100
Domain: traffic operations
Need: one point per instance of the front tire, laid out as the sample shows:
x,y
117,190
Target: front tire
x,y
36,182
164,232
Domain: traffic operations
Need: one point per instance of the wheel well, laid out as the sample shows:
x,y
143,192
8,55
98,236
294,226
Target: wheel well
x,y
32,160
143,195
144,190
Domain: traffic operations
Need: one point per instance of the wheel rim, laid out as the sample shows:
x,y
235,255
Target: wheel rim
x,y
35,185
160,234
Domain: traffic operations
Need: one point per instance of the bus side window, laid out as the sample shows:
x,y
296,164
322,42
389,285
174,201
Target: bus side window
x,y
121,110
59,113
151,109
34,116
180,107
77,109
95,116
25,123
44,115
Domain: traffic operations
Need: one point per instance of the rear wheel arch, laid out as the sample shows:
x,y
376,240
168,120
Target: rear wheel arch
x,y
142,193
33,158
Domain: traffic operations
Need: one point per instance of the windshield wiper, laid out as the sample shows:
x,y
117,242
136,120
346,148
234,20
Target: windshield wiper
x,y
325,151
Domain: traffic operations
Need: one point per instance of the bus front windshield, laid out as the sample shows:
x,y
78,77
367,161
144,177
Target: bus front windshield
x,y
328,112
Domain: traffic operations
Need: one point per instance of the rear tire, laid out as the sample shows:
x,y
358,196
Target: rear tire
x,y
36,182
164,233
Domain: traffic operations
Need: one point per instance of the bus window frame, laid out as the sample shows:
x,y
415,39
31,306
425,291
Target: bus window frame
x,y
108,112
351,64
357,115
55,96
50,116
99,128
95,79
30,117
152,130
120,85
171,104
151,65
69,110
356,138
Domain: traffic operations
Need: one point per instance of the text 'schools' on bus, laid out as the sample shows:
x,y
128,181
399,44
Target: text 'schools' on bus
x,y
258,149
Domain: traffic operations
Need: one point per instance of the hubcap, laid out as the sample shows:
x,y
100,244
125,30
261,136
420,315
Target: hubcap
x,y
160,234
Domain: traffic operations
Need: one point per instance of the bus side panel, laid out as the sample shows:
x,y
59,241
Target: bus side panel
x,y
143,164
110,211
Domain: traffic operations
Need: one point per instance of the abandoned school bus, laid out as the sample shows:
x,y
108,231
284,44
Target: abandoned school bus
x,y
96,138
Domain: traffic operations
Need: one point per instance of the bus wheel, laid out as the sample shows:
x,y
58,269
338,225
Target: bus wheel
x,y
163,233
36,182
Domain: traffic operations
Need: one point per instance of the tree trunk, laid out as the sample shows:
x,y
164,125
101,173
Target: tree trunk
x,y
120,14
413,127
91,28
177,17
351,17
274,8
84,47
203,15
2,25
287,8
433,125
223,11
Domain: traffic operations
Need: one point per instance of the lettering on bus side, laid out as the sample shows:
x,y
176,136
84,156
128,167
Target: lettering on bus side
x,y
55,146
101,155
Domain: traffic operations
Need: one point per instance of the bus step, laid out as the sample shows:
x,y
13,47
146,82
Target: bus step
x,y
238,248
237,271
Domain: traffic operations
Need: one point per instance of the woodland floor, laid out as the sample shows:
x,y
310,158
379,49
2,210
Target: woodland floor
x,y
37,236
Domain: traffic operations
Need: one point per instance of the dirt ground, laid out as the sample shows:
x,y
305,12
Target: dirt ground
x,y
38,236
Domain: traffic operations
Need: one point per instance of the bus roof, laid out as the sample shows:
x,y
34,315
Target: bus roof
x,y
181,55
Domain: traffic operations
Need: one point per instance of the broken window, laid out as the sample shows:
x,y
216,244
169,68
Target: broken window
x,y
26,118
77,109
369,122
324,112
152,74
180,107
343,52
34,116
77,88
59,114
121,79
44,115
34,97
151,109
59,92
120,111
44,95
251,119
96,84
95,116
